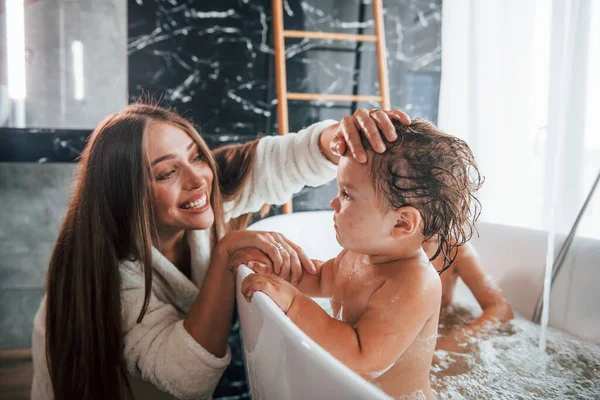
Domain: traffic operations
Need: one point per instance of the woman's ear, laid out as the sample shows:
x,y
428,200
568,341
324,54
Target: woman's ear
x,y
408,222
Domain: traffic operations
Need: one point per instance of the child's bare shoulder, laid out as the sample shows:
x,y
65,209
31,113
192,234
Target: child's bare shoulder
x,y
415,272
416,281
410,297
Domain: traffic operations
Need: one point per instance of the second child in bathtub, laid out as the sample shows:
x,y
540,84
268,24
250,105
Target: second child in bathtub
x,y
384,291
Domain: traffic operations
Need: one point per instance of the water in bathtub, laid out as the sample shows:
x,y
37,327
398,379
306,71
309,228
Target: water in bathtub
x,y
507,363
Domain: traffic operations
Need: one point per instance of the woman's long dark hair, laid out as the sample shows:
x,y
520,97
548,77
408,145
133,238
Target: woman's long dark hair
x,y
235,165
110,218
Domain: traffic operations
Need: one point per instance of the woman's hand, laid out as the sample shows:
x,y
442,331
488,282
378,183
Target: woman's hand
x,y
282,292
288,259
337,139
253,258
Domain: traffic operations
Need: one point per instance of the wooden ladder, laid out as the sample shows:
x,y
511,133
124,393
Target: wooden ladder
x,y
280,71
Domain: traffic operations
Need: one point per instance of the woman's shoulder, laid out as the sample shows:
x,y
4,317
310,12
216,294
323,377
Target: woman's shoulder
x,y
132,273
131,265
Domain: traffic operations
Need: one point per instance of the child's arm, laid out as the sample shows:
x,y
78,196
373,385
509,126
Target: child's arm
x,y
321,283
386,329
496,309
312,285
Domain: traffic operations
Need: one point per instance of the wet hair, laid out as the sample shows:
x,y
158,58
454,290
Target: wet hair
x,y
436,174
235,163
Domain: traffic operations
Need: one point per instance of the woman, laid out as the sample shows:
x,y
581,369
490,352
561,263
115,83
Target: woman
x,y
140,282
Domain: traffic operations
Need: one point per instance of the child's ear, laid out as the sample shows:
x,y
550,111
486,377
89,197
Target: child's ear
x,y
408,222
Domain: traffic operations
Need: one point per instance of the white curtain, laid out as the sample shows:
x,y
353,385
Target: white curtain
x,y
521,83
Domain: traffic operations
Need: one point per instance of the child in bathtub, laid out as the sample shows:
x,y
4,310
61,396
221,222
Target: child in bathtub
x,y
496,309
384,291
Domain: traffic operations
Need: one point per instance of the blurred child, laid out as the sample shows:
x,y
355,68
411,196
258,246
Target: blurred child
x,y
496,309
384,292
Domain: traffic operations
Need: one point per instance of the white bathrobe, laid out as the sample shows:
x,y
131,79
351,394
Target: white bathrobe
x,y
160,354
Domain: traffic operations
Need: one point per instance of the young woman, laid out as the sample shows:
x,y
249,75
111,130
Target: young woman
x,y
140,289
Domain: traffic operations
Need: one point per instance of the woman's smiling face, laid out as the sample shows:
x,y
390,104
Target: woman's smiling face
x,y
181,179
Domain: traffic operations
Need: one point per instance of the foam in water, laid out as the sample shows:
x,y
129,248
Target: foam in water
x,y
416,395
508,365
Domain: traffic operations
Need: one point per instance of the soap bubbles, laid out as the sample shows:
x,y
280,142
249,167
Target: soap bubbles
x,y
509,365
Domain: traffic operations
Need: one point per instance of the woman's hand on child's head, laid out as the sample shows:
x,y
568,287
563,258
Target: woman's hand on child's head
x,y
280,291
288,260
373,124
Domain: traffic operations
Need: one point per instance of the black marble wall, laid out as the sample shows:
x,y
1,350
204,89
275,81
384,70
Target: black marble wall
x,y
213,61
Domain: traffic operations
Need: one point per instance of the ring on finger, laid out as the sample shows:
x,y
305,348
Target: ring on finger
x,y
279,246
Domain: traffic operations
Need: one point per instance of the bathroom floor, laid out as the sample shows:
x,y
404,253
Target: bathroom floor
x,y
16,372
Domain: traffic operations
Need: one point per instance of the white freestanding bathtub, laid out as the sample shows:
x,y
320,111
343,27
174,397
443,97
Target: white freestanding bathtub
x,y
284,363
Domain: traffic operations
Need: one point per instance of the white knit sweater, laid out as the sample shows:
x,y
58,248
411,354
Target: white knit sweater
x,y
161,356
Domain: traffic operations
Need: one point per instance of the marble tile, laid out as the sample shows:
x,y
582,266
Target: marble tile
x,y
41,145
213,61
66,145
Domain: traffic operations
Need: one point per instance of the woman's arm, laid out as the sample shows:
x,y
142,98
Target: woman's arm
x,y
213,307
186,363
214,304
283,165
185,355
496,309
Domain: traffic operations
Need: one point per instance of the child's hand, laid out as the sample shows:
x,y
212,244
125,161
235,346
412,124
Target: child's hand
x,y
280,291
